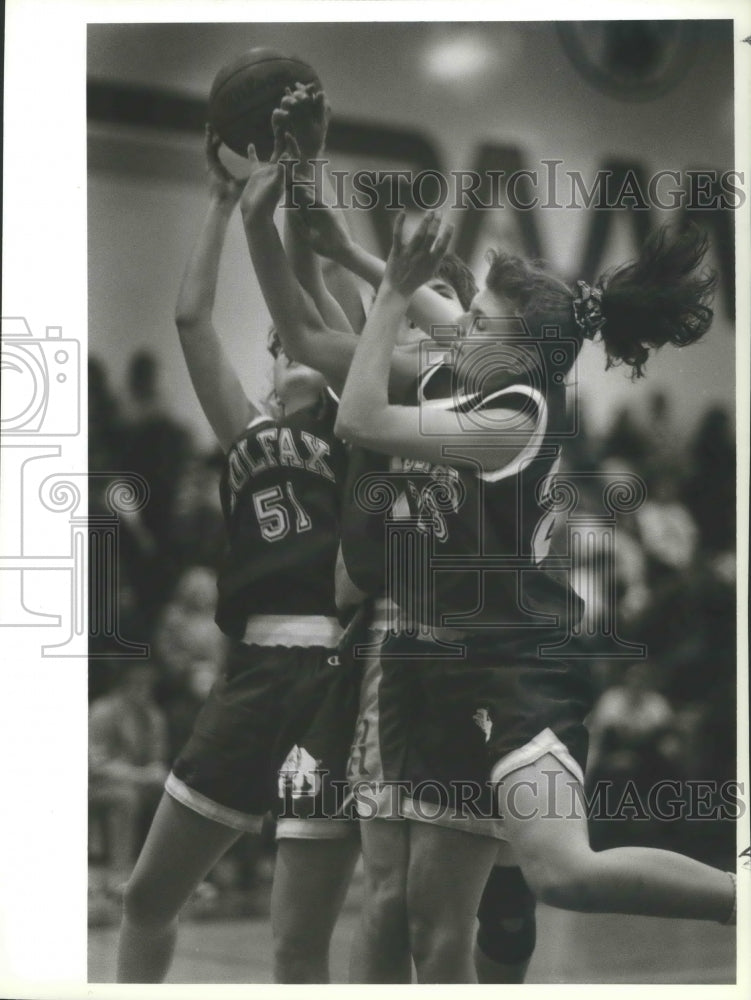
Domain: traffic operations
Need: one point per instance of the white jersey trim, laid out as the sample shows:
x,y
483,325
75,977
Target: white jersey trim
x,y
532,447
426,378
262,418
469,402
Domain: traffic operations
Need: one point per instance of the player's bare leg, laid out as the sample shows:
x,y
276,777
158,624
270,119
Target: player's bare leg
x,y
545,820
310,882
381,951
448,870
180,849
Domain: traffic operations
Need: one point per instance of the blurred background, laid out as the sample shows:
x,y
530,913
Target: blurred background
x,y
639,96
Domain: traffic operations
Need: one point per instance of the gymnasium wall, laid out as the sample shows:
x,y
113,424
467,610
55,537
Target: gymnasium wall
x,y
453,89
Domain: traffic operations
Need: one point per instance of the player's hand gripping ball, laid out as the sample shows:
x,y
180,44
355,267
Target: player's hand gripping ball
x,y
246,91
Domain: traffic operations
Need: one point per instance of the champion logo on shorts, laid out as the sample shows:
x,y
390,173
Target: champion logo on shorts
x,y
483,720
299,775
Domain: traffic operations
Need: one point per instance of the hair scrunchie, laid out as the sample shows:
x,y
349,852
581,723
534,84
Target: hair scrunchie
x,y
588,309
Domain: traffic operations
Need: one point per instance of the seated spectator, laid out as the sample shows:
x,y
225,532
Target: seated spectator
x,y
190,650
127,763
666,528
627,725
632,746
197,534
710,489
156,446
186,633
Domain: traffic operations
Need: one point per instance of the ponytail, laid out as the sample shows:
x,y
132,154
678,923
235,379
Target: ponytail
x,y
660,298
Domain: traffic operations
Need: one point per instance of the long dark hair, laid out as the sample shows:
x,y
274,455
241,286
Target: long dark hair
x,y
660,298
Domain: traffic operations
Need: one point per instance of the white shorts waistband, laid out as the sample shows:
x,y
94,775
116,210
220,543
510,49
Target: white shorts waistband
x,y
292,630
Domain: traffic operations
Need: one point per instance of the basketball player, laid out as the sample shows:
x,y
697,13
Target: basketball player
x,y
503,718
507,931
277,725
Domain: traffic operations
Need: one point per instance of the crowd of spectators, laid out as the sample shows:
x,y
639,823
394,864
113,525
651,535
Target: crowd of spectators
x,y
670,714
667,715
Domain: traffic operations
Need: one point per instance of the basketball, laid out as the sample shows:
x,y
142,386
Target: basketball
x,y
247,90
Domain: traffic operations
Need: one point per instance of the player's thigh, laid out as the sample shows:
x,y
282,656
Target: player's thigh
x,y
447,872
311,878
385,852
180,848
545,821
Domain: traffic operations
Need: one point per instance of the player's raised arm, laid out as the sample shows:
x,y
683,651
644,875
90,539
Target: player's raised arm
x,y
367,418
328,236
304,335
301,123
219,390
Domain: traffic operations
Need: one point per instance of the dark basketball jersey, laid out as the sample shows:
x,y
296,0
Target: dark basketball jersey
x,y
460,547
280,493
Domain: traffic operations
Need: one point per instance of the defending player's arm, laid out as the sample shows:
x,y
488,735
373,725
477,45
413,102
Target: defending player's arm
x,y
304,335
302,120
328,236
433,434
214,379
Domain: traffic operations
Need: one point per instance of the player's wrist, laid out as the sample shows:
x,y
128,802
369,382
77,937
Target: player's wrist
x,y
257,212
222,202
359,261
393,291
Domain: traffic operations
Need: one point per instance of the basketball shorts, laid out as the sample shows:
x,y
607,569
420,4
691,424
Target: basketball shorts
x,y
273,736
435,734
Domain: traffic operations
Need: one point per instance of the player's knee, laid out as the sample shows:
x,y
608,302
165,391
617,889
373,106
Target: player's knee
x,y
569,885
386,907
507,930
430,937
145,905
435,929
385,891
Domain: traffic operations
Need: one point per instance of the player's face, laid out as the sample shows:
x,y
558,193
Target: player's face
x,y
409,332
490,321
291,378
488,315
445,289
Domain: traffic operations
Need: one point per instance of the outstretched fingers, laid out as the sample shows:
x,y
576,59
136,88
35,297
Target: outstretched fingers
x,y
291,148
397,241
279,126
441,243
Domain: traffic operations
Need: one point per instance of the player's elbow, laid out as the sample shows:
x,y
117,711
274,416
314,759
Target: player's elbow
x,y
350,427
189,317
300,341
343,428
